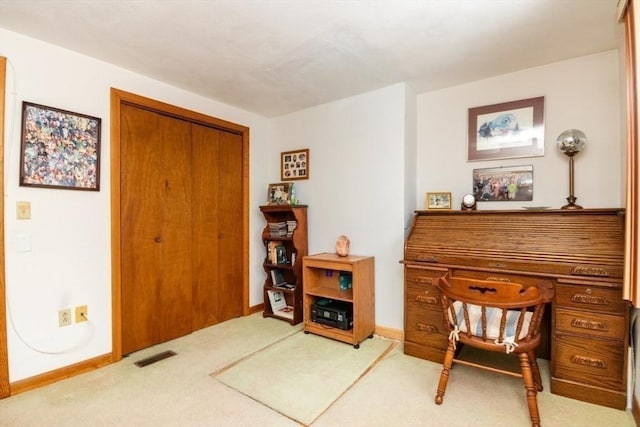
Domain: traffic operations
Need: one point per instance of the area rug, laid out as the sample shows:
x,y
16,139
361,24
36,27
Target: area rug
x,y
302,375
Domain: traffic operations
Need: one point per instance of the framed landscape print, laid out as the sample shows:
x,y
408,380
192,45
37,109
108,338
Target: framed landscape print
x,y
507,130
59,149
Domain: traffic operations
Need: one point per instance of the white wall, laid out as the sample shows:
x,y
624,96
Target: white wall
x,y
70,261
581,93
356,184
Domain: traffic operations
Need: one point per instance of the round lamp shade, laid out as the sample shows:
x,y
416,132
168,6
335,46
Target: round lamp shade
x,y
571,141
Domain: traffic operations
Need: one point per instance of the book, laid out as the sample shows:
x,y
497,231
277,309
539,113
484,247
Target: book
x,y
277,277
279,305
286,311
281,255
286,285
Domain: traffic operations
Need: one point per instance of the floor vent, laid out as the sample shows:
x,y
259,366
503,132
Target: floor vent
x,y
155,358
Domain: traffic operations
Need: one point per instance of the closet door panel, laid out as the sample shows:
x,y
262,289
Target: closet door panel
x,y
205,225
217,225
230,248
155,228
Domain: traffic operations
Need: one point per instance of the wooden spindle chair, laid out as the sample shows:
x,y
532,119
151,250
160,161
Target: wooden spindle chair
x,y
498,316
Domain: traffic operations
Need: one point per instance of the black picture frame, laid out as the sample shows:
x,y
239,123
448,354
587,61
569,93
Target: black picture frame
x,y
59,149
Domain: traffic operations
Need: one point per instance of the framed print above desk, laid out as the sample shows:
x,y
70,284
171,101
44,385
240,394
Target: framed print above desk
x,y
508,130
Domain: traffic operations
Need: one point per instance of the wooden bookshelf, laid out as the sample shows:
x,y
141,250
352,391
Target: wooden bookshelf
x,y
284,254
321,273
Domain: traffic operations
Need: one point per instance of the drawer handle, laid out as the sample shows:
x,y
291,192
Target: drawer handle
x,y
589,299
589,324
498,279
584,270
427,299
588,361
424,279
427,328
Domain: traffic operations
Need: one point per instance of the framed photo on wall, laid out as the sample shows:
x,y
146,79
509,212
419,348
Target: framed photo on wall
x,y
506,184
294,165
438,201
507,130
59,149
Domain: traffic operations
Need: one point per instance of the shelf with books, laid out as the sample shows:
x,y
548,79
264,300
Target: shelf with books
x,y
285,242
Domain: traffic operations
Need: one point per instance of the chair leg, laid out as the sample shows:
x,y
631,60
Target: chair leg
x,y
444,375
527,378
537,379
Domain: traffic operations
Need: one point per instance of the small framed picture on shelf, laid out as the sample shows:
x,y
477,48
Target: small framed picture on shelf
x,y
280,193
294,165
438,201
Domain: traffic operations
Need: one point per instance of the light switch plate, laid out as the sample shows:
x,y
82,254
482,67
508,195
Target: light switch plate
x,y
23,210
23,242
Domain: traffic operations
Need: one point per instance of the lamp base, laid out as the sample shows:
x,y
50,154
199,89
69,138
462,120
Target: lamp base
x,y
572,203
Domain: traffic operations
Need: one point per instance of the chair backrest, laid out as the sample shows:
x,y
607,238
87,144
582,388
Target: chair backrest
x,y
494,311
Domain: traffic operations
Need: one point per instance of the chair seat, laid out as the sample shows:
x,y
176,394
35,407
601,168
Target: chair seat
x,y
494,316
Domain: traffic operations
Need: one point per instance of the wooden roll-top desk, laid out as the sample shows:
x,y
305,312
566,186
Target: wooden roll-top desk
x,y
581,251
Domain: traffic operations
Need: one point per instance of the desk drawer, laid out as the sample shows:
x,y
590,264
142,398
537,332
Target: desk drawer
x,y
421,295
504,277
420,276
425,326
590,361
587,323
585,297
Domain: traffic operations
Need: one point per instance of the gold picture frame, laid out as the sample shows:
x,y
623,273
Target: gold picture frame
x,y
294,165
441,200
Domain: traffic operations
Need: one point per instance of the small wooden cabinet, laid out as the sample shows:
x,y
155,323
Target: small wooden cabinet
x,y
326,279
284,251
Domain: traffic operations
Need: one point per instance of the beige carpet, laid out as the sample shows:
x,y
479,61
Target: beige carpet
x,y
302,375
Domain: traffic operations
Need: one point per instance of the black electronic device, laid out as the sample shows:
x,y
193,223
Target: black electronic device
x,y
337,314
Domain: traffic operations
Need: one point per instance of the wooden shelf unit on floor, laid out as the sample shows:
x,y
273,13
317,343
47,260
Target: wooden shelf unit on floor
x,y
294,245
321,280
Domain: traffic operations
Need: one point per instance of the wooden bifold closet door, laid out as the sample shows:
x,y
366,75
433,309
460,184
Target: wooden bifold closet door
x,y
181,195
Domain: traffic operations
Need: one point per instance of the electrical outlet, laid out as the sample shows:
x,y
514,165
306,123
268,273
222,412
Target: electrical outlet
x,y
64,317
81,313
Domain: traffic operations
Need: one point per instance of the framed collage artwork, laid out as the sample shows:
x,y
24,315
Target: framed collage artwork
x,y
59,149
294,165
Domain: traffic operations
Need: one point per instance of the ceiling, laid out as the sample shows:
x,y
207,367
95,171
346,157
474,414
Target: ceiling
x,y
273,57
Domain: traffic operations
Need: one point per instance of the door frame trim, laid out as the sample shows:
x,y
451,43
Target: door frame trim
x,y
5,388
119,97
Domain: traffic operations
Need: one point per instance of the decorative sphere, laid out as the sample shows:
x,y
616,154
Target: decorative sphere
x,y
571,141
